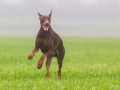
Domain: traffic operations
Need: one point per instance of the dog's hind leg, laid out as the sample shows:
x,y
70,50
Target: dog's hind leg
x,y
60,61
59,67
48,62
60,58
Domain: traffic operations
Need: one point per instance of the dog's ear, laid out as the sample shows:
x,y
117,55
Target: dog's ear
x,y
50,13
39,14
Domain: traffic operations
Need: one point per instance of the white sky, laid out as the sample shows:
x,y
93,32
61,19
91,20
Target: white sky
x,y
12,2
88,2
84,2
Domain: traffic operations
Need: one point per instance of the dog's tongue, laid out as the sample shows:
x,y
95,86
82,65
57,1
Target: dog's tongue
x,y
45,28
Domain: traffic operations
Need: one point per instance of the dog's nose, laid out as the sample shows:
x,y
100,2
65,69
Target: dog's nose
x,y
47,24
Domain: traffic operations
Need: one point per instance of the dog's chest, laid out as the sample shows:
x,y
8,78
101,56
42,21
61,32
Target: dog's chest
x,y
46,44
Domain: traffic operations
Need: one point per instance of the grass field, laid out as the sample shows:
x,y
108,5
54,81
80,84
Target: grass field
x,y
89,64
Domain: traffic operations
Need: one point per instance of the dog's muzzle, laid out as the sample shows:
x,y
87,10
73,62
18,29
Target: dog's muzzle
x,y
46,27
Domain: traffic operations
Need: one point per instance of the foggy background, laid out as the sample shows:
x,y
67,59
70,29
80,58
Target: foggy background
x,y
69,17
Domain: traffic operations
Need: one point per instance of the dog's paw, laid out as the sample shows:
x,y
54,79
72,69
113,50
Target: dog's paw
x,y
30,56
39,67
39,64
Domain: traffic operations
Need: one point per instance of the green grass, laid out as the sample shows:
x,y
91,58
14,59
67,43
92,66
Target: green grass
x,y
89,64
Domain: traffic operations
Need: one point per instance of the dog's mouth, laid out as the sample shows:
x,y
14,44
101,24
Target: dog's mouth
x,y
45,28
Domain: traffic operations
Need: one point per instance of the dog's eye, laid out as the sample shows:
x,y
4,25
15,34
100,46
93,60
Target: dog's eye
x,y
48,18
42,17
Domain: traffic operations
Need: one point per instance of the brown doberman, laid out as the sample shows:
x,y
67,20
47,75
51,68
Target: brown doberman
x,y
50,44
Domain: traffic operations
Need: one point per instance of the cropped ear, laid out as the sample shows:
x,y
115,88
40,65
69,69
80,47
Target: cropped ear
x,y
39,14
50,13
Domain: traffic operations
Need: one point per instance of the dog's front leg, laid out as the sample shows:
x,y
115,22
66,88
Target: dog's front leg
x,y
49,56
41,60
32,54
37,45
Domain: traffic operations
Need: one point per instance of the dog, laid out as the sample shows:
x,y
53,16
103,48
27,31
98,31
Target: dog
x,y
50,44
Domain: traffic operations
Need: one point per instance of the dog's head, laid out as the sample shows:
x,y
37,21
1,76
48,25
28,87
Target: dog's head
x,y
45,20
